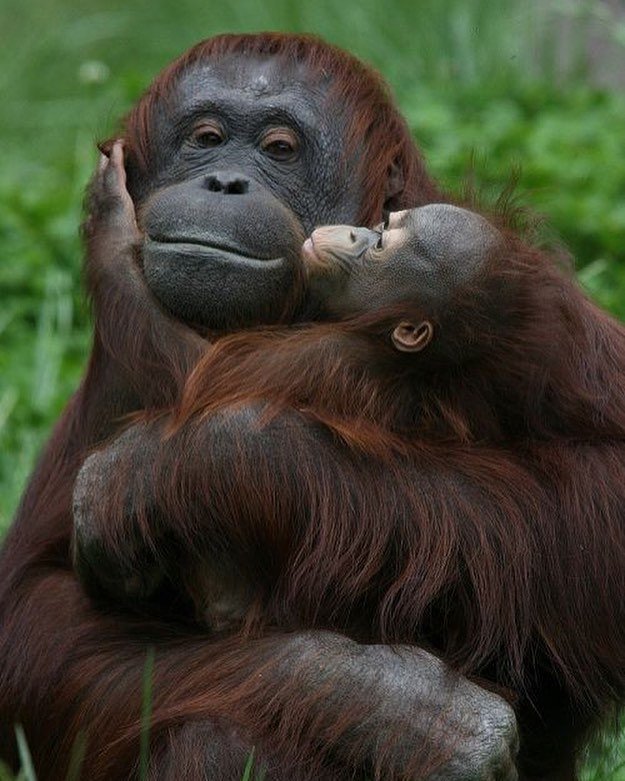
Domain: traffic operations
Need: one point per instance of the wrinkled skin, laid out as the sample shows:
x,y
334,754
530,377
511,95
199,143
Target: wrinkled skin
x,y
227,215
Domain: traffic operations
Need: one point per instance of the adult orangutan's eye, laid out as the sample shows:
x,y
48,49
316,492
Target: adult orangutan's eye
x,y
208,135
280,143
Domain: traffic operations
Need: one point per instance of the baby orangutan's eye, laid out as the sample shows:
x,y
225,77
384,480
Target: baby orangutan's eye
x,y
379,242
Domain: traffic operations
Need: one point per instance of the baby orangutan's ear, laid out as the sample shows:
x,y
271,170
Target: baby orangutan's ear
x,y
410,337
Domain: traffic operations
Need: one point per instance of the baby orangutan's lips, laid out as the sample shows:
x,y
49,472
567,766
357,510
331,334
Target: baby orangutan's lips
x,y
313,262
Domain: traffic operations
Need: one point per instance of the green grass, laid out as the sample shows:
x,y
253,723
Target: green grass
x,y
487,85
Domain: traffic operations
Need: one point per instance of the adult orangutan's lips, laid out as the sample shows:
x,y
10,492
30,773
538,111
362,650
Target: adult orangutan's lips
x,y
198,247
203,284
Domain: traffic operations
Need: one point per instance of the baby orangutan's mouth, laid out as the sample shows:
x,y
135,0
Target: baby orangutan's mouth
x,y
314,262
320,257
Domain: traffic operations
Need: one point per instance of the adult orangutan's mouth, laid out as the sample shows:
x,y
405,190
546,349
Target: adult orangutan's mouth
x,y
198,248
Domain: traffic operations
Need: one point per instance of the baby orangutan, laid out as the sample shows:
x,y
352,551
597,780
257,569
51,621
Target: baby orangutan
x,y
398,306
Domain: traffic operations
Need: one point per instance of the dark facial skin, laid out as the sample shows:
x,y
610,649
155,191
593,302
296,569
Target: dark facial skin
x,y
248,162
419,256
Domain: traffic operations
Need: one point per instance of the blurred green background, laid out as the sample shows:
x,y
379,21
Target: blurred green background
x,y
499,88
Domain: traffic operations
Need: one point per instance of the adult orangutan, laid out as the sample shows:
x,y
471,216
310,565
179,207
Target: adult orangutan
x,y
239,148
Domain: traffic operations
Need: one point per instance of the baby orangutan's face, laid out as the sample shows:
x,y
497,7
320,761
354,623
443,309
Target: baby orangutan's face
x,y
419,256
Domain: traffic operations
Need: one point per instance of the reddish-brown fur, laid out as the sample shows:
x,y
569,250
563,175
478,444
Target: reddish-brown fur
x,y
68,666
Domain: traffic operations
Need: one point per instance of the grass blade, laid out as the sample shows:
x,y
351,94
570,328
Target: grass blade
x,y
77,757
27,769
249,766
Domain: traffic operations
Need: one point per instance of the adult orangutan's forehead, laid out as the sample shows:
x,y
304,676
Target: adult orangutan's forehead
x,y
249,81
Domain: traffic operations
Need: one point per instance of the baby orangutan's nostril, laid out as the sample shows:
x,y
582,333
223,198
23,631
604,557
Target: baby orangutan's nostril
x,y
352,236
